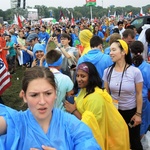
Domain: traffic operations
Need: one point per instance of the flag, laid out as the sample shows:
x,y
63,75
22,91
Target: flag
x,y
19,22
109,13
72,19
115,13
141,12
15,19
41,22
51,13
4,77
68,11
61,15
22,18
90,2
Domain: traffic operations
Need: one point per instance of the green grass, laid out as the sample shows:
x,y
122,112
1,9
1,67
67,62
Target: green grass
x,y
11,95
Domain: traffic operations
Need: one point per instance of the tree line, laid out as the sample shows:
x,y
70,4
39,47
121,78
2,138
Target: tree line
x,y
78,12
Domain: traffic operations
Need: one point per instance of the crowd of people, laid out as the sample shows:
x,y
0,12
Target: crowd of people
x,y
80,95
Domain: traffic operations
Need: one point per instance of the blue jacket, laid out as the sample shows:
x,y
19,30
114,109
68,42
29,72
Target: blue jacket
x,y
145,70
65,132
97,58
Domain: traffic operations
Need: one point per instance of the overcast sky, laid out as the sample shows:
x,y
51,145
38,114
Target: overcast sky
x,y
72,3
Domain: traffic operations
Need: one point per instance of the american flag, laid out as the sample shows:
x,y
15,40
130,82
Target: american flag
x,y
4,77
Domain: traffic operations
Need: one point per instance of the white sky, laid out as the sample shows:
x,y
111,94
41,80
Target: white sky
x,y
72,3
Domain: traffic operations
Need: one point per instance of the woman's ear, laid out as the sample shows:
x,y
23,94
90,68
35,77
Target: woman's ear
x,y
22,95
123,52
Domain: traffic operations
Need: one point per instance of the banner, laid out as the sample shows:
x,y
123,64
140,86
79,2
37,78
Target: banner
x,y
90,2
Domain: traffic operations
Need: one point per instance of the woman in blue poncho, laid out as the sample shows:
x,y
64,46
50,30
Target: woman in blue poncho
x,y
41,127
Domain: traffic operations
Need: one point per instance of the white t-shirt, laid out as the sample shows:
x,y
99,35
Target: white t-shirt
x,y
127,98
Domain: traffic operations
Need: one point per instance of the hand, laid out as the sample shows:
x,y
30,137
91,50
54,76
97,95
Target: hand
x,y
137,120
34,63
56,41
44,148
47,148
22,47
41,60
50,39
69,107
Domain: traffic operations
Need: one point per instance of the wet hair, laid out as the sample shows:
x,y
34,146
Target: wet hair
x,y
137,48
128,32
35,73
95,41
147,35
94,79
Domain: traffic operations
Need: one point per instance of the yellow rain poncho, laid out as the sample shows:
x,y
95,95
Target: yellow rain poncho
x,y
99,113
85,37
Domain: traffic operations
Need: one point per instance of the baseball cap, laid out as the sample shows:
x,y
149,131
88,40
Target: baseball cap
x,y
31,37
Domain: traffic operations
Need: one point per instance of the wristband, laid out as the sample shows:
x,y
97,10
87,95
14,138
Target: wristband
x,y
74,111
138,114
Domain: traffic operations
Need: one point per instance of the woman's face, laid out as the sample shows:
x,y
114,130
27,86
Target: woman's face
x,y
96,28
82,78
21,34
39,54
40,97
115,52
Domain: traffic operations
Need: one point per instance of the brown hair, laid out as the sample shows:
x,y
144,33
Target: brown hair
x,y
35,73
52,56
114,37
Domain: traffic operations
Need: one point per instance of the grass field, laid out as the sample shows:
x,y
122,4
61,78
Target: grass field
x,y
11,95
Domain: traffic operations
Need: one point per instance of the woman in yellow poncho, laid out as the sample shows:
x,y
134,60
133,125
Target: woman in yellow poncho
x,y
94,107
84,37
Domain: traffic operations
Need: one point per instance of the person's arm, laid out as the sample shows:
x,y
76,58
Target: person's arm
x,y
72,109
64,52
139,99
106,86
3,125
137,117
6,48
61,48
29,52
25,49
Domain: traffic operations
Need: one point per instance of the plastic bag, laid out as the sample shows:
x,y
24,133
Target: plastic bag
x,y
146,141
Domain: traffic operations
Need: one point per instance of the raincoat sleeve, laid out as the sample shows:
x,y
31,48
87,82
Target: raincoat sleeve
x,y
81,135
93,115
12,129
89,119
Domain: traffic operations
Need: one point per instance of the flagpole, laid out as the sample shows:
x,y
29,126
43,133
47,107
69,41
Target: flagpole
x,y
91,11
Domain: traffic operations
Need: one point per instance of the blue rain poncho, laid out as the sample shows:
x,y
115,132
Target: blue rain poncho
x,y
65,132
